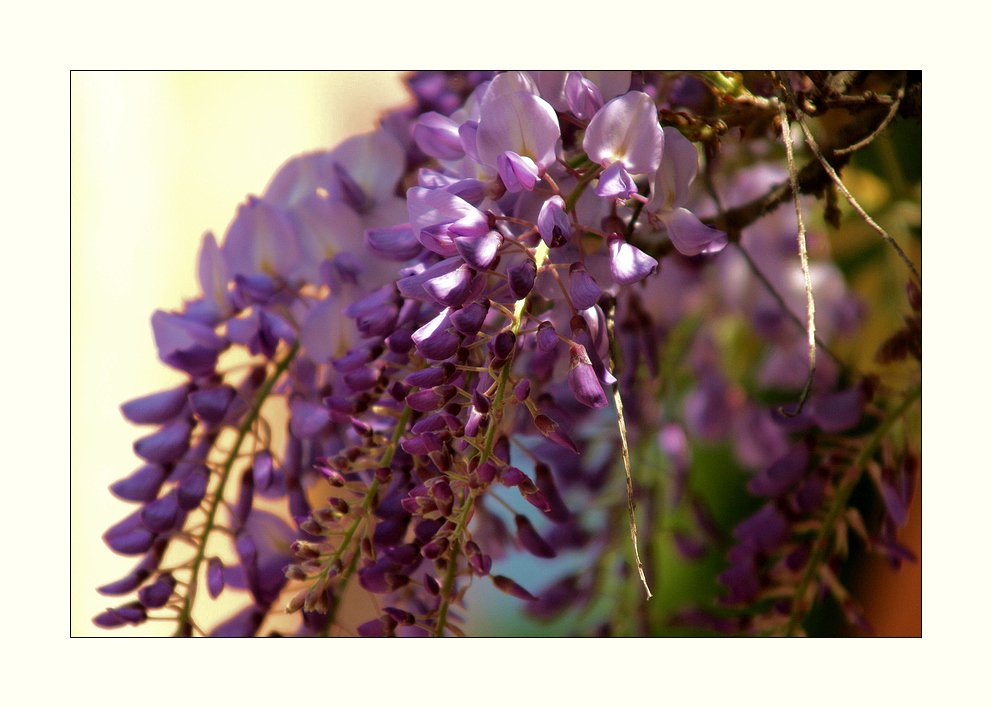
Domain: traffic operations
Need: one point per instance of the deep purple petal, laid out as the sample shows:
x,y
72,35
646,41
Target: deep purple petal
x,y
156,408
531,540
583,290
469,319
783,474
191,490
168,444
210,404
479,251
521,278
547,337
433,340
215,577
142,486
840,411
508,586
244,624
161,515
550,429
451,289
158,593
582,379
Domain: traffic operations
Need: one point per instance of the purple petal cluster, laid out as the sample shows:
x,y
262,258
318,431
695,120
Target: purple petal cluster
x,y
406,301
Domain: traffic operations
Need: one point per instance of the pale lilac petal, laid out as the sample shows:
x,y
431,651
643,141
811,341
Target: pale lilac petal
x,y
690,236
553,223
627,130
583,96
629,264
552,87
518,173
468,133
479,251
437,136
325,228
610,83
678,168
397,243
261,239
307,419
615,183
412,285
505,83
437,216
374,161
320,330
185,343
214,277
520,122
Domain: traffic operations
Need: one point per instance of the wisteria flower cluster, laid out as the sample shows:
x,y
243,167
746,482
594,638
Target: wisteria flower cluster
x,y
518,317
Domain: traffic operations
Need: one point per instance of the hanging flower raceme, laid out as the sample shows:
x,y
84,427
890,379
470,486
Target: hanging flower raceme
x,y
446,319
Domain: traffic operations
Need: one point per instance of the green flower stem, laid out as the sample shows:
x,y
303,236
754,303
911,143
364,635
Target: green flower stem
x,y
540,254
387,457
342,584
822,543
580,188
246,425
449,577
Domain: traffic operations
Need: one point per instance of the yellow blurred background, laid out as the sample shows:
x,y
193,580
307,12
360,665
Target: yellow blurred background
x,y
157,160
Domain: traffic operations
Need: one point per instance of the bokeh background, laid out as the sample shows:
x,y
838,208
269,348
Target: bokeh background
x,y
157,160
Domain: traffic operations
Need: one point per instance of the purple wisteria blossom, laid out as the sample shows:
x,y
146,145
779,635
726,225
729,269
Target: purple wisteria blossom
x,y
458,338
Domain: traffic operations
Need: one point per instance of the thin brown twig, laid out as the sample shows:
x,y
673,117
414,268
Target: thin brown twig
x,y
803,257
840,185
625,452
883,125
